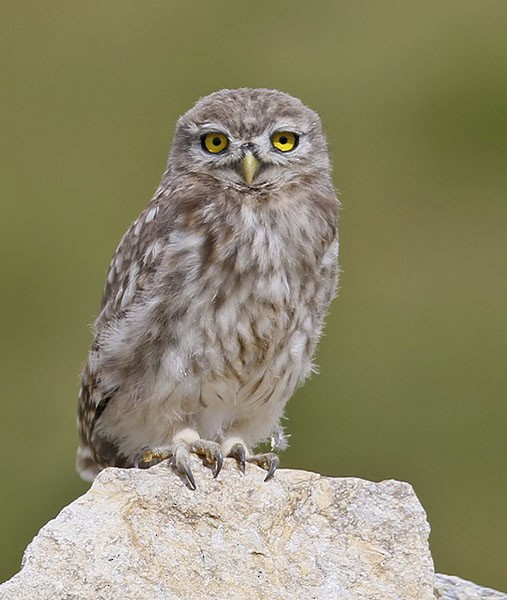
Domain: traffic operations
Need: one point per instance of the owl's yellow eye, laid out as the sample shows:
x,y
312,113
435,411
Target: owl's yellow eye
x,y
214,142
285,141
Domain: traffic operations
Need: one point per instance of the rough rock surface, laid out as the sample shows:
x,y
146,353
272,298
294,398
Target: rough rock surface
x,y
144,535
448,587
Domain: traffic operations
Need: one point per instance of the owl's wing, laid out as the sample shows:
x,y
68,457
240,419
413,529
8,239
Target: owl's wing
x,y
134,262
132,268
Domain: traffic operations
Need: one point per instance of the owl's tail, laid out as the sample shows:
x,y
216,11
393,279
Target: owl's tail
x,y
86,466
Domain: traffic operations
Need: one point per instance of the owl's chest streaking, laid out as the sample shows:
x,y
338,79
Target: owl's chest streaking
x,y
242,332
247,302
225,321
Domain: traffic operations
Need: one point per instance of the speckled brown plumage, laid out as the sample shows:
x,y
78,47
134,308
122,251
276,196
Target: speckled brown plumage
x,y
216,295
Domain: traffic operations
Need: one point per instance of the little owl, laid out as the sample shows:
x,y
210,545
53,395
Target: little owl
x,y
216,295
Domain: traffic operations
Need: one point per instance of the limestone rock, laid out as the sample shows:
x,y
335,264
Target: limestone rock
x,y
448,587
143,535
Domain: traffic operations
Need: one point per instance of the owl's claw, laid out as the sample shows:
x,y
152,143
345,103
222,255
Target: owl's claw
x,y
268,461
210,452
180,462
238,452
147,457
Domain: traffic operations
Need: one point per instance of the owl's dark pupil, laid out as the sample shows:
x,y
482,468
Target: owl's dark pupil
x,y
216,141
283,140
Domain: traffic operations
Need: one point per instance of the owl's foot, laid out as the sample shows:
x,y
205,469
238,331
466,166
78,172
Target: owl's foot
x,y
239,452
210,452
147,457
268,461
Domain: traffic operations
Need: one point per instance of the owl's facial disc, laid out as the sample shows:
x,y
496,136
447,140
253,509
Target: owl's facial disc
x,y
249,166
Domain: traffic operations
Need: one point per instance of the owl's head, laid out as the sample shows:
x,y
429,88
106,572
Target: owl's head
x,y
250,139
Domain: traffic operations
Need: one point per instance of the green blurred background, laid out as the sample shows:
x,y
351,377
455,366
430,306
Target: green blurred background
x,y
413,96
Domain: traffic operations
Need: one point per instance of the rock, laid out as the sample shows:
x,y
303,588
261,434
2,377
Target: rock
x,y
144,535
448,587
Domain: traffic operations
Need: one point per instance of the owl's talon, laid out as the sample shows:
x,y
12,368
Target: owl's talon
x,y
190,478
238,452
147,457
268,461
180,462
218,466
210,452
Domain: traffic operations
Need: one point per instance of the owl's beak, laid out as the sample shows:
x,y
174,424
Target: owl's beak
x,y
249,167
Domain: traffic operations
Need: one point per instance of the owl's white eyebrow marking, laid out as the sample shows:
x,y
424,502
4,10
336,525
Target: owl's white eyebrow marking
x,y
210,126
206,124
287,127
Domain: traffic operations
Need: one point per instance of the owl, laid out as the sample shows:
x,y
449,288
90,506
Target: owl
x,y
216,295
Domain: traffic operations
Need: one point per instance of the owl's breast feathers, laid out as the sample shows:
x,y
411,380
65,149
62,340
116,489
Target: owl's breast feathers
x,y
222,287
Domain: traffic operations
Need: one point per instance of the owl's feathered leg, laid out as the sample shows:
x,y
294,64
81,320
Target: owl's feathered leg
x,y
268,461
